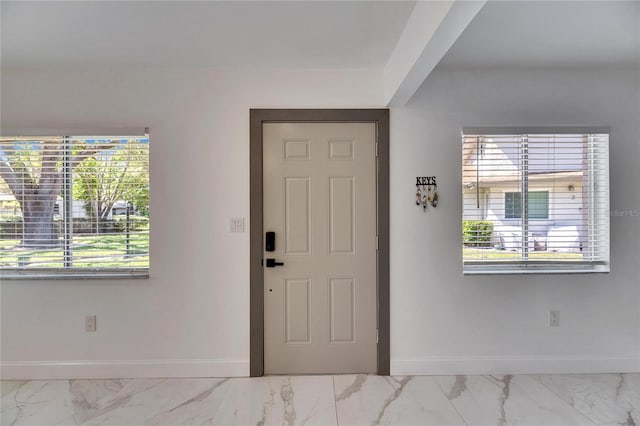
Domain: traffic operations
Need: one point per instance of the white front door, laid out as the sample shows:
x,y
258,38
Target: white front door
x,y
319,200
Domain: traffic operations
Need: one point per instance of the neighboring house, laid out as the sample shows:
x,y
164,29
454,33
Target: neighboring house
x,y
80,209
492,192
120,208
10,206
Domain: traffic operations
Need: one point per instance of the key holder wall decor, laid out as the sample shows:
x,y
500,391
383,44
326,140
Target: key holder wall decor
x,y
426,192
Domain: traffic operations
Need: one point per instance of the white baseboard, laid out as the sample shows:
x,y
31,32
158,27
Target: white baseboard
x,y
513,365
160,368
133,369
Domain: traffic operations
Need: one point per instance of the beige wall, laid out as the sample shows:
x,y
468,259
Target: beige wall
x,y
444,322
192,316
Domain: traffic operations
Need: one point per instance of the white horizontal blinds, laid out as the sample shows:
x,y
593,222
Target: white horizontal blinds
x,y
31,178
492,179
535,199
110,202
74,203
599,214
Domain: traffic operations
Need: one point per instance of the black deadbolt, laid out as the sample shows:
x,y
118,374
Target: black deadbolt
x,y
270,241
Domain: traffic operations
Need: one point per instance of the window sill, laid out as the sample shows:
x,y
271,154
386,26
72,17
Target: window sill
x,y
78,274
534,269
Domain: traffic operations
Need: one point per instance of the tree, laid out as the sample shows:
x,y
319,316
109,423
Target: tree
x,y
117,174
33,171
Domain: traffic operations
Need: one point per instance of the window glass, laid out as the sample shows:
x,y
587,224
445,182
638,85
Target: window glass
x,y
74,206
538,205
535,202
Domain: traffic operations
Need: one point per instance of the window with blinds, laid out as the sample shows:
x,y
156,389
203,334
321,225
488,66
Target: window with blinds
x,y
74,206
535,200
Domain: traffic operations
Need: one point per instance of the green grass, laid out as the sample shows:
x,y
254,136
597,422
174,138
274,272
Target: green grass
x,y
109,251
94,251
489,253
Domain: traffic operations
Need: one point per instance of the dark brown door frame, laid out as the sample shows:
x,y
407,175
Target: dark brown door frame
x,y
257,118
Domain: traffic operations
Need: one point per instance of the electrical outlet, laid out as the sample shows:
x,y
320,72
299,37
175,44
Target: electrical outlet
x,y
90,323
554,318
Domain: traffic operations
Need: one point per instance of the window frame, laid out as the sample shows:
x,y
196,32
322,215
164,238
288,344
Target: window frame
x,y
65,272
471,267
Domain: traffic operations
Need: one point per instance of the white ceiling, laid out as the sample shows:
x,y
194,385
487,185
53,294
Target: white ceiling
x,y
549,33
307,34
300,34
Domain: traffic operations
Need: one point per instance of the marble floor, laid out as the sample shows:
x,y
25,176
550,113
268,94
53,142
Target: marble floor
x,y
558,400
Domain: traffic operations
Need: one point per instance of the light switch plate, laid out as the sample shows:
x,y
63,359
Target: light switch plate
x,y
236,224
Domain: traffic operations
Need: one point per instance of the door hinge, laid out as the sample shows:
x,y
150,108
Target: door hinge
x,y
377,336
377,243
376,149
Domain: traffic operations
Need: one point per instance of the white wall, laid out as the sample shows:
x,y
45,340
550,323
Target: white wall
x,y
192,316
444,322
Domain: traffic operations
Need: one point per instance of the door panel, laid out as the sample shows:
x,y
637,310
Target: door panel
x,y
298,312
319,198
342,308
297,215
341,215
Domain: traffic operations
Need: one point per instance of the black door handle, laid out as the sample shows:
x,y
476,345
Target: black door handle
x,y
272,263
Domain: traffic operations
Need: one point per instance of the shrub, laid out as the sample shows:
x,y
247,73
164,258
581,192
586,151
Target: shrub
x,y
477,233
10,226
136,223
10,218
